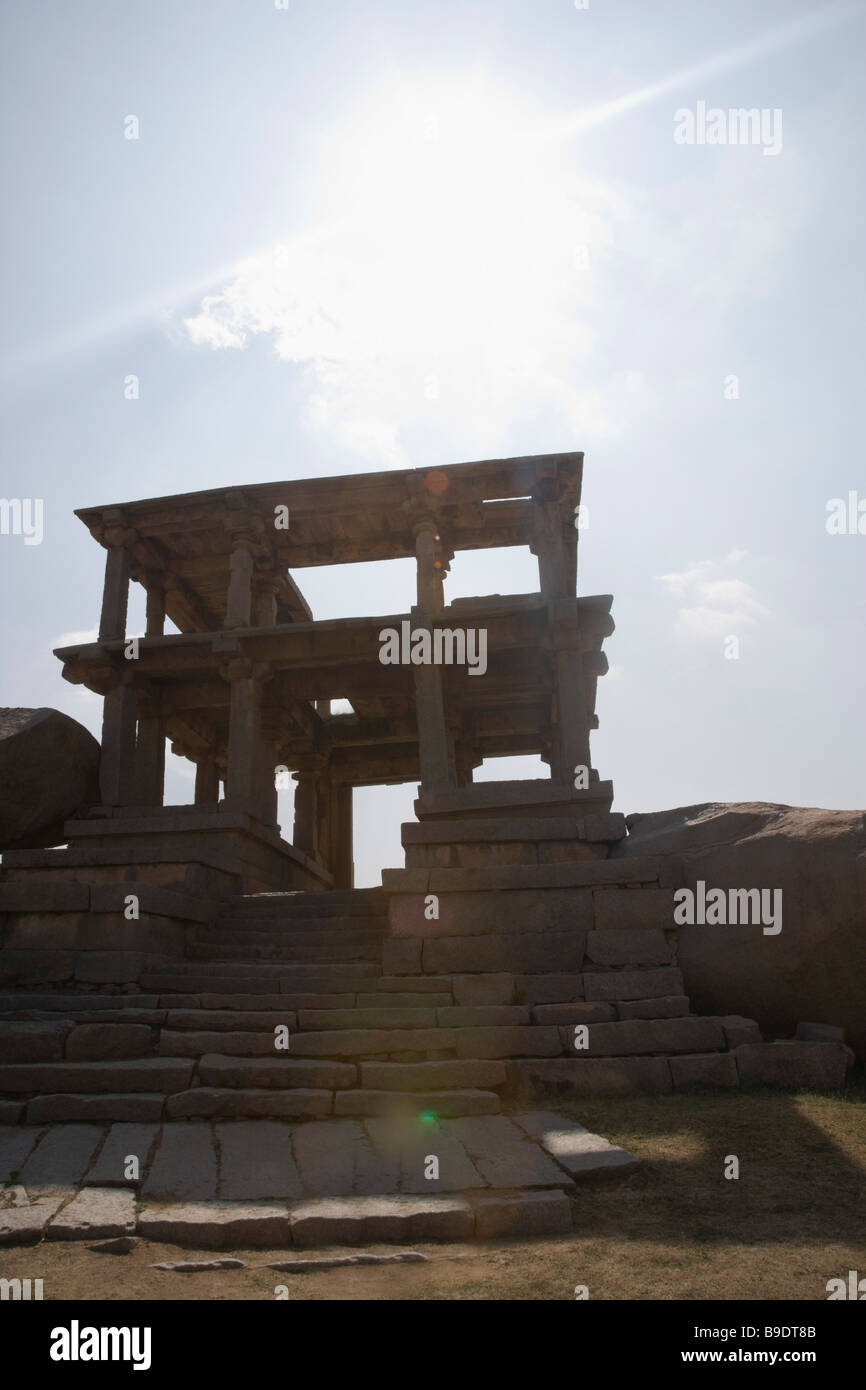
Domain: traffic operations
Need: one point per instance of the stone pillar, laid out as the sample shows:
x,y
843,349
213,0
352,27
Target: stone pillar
x,y
117,762
150,756
243,784
115,594
155,587
342,864
435,750
304,835
548,543
266,600
240,589
207,782
324,814
267,798
570,745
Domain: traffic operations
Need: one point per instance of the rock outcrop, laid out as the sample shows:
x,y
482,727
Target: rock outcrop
x,y
815,967
49,768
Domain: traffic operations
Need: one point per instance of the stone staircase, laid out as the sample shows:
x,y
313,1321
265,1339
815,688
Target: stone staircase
x,y
282,1009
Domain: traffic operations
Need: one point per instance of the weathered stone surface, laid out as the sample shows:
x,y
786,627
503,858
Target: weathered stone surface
x,y
24,1225
442,1103
632,984
240,1020
61,1159
818,859
632,909
577,1012
412,1017
585,1157
431,1076
16,1144
124,1141
716,1069
256,1162
120,1245
49,768
589,1076
204,1101
815,1066
740,1030
11,1112
521,953
548,989
184,1166
216,1225
197,1266
814,1032
133,1107
524,1214
91,1042
95,1212
482,1015
311,1264
32,1042
189,1044
508,1042
483,989
357,1220
143,1074
628,946
279,1072
367,1042
672,1006
503,1154
409,1000
639,1037
401,957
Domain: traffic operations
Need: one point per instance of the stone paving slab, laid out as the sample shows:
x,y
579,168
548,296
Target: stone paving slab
x,y
579,1153
16,1144
256,1161
409,1145
216,1225
522,1214
61,1158
24,1224
95,1213
503,1154
185,1164
123,1141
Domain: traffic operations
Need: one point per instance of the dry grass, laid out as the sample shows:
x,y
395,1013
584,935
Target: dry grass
x,y
795,1218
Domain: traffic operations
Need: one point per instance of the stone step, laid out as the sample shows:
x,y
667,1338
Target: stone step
x,y
311,1020
309,927
194,970
254,1003
432,1076
204,1102
197,1043
223,1071
347,902
132,1107
242,938
292,955
76,1002
155,1074
434,1104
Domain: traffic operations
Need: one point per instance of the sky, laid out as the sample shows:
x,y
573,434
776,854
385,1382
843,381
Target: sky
x,y
247,241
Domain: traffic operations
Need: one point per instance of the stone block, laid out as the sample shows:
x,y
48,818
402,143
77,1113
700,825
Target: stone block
x,y
639,1037
628,946
133,1108
808,1066
632,984
360,1220
548,989
432,1076
630,909
281,1072
216,1225
401,957
439,1103
95,1213
671,1006
740,1030
32,1042
206,1102
123,1141
483,989
482,1015
577,1012
518,953
814,1032
714,1069
91,1042
589,1076
523,1214
508,1042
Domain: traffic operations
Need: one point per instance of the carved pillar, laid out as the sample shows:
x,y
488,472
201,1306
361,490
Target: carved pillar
x,y
115,591
207,782
434,744
240,590
117,762
154,582
570,744
243,774
267,587
150,753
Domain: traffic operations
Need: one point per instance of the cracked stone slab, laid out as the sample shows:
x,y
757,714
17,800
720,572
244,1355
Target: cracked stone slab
x,y
62,1158
95,1213
355,1220
184,1167
124,1141
523,1214
579,1153
406,1146
24,1225
16,1145
256,1161
216,1225
502,1152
